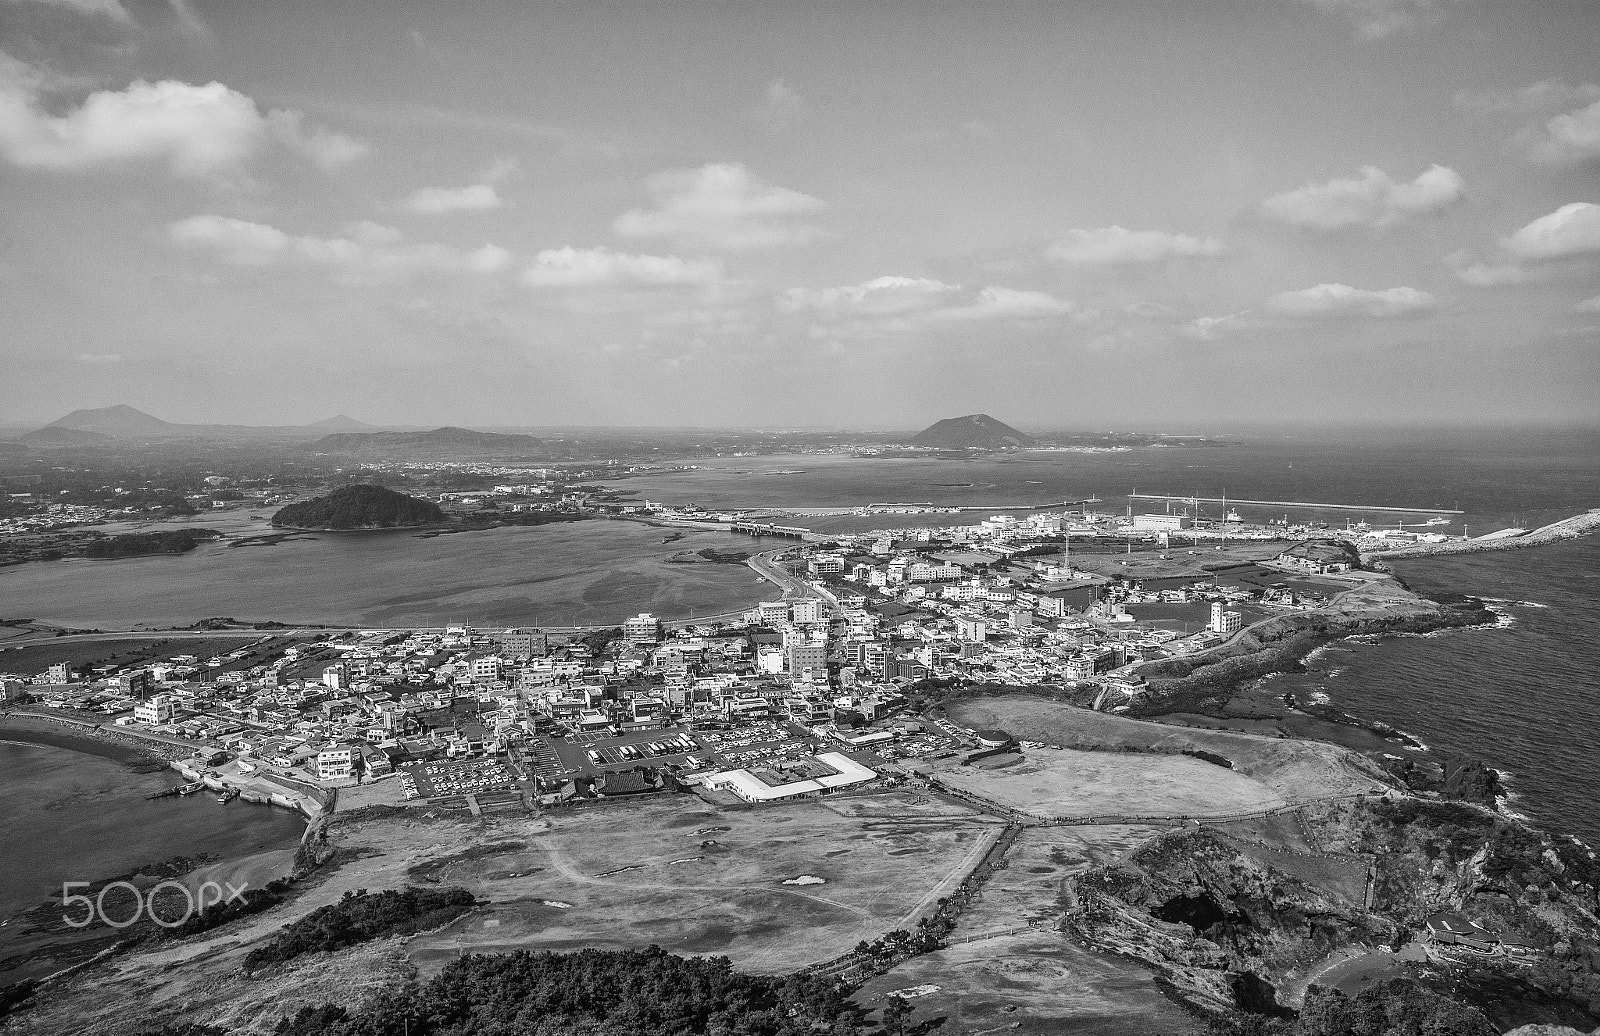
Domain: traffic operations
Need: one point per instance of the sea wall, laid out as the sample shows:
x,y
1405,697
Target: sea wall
x,y
1569,528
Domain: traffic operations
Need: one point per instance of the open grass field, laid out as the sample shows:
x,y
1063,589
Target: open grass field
x,y
1070,783
698,880
671,871
1000,973
1293,769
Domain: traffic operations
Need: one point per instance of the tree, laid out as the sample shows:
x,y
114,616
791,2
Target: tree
x,y
895,1013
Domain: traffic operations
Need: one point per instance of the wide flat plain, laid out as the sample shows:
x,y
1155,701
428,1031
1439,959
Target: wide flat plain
x,y
1066,783
1293,769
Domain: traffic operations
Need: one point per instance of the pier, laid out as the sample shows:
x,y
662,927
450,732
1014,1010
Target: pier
x,y
1294,503
793,532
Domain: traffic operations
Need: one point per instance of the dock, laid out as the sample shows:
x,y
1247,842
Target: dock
x,y
1294,503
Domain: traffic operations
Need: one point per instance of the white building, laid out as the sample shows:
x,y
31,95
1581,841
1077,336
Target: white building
x,y
335,764
643,628
1224,623
155,709
807,609
751,788
1160,522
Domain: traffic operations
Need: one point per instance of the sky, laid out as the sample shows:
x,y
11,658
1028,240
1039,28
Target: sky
x,y
1128,215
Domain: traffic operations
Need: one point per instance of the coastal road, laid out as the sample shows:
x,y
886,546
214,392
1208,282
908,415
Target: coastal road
x,y
767,568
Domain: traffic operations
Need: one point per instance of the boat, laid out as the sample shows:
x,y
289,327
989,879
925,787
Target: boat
x,y
191,788
1441,520
1232,516
228,795
245,767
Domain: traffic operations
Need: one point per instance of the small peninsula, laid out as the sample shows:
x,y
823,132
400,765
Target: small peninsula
x,y
357,508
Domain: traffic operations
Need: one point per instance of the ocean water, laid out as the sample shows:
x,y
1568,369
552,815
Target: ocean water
x,y
72,816
1523,697
569,574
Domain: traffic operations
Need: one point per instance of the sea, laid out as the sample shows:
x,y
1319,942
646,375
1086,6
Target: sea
x,y
70,815
1522,695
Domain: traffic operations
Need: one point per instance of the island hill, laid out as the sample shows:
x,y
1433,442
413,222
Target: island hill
x,y
975,431
359,508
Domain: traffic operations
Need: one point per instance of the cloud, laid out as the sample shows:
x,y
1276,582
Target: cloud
x,y
1379,19
1110,246
1570,231
780,103
1372,200
600,267
996,303
879,297
900,305
437,201
323,148
111,9
99,359
1341,300
1545,95
1488,275
368,253
721,206
1208,329
1588,306
1569,138
196,131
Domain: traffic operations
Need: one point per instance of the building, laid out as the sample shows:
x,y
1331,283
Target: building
x,y
974,630
806,659
335,764
1161,522
1224,623
155,709
807,609
643,628
748,786
58,673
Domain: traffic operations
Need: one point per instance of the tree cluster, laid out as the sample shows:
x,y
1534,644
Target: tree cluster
x,y
135,544
359,507
360,917
645,992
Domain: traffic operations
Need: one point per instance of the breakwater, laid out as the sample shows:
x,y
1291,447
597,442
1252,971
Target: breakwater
x,y
1566,529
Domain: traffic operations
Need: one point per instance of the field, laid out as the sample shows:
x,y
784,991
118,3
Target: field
x,y
1001,973
1069,783
775,888
1294,770
31,656
669,870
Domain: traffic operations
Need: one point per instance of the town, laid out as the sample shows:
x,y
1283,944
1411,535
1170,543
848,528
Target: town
x,y
818,690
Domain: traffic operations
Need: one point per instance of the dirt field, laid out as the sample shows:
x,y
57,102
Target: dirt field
x,y
1066,783
1293,769
1000,972
672,871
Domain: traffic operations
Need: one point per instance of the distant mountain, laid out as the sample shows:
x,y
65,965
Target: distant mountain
x,y
342,423
974,430
350,508
446,440
55,435
120,421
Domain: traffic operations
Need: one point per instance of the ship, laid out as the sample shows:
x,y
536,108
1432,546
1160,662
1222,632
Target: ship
x,y
1441,520
228,795
191,788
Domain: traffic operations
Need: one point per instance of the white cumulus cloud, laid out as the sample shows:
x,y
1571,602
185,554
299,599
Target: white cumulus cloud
x,y
601,267
438,201
1108,246
1341,300
721,206
881,296
1570,137
111,9
1570,231
1588,306
196,131
1371,199
997,303
366,253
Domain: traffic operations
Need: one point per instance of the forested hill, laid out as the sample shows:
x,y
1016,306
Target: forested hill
x,y
359,507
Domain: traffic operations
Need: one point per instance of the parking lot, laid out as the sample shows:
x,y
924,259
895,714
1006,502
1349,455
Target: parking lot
x,y
431,780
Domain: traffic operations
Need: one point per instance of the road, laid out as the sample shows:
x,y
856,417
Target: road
x,y
767,568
